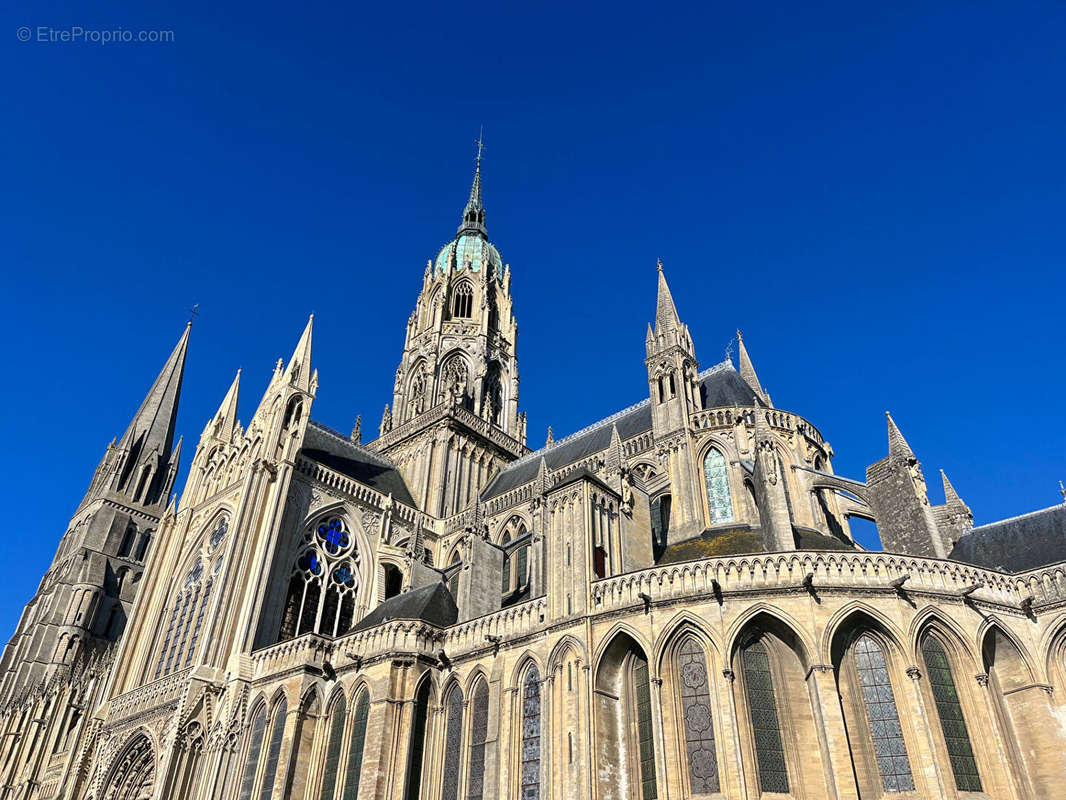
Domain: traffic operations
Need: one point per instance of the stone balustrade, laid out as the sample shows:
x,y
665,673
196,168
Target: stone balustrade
x,y
510,623
757,574
352,488
305,649
151,695
776,418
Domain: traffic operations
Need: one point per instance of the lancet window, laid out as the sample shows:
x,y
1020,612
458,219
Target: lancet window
x,y
694,689
186,620
949,710
333,749
716,479
531,735
479,733
765,722
324,582
453,737
882,716
356,745
463,301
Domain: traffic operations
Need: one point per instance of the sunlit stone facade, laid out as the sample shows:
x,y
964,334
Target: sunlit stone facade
x,y
666,604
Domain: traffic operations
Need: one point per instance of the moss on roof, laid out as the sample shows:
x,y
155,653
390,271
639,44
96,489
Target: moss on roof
x,y
739,541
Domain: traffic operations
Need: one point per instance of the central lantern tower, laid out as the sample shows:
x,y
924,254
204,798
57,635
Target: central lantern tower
x,y
454,419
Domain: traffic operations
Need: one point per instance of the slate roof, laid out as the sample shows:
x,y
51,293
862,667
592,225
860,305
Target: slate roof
x,y
1016,544
432,603
334,450
720,385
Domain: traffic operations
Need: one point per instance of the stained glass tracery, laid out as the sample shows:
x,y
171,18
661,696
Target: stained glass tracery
x,y
645,743
883,717
355,746
699,725
716,478
530,769
333,749
453,736
479,732
766,726
952,721
324,583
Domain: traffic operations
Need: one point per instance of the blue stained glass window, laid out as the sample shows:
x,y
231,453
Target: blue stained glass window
x,y
343,575
309,562
219,532
716,477
333,536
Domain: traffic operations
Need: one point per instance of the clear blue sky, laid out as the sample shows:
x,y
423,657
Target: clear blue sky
x,y
874,195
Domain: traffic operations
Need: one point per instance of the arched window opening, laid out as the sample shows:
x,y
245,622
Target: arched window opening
x,y
784,484
660,524
882,716
492,396
420,713
766,725
142,548
188,608
324,583
416,392
135,775
277,735
255,750
702,755
293,413
393,580
453,578
463,301
127,542
716,480
662,395
356,745
453,737
949,710
505,583
646,746
455,382
531,734
479,733
333,749
673,387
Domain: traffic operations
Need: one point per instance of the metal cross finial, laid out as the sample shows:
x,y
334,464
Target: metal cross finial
x,y
1062,491
659,263
193,312
480,143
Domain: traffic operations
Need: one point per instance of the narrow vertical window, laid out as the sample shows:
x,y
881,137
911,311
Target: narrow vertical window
x,y
716,478
166,641
522,570
952,722
333,749
199,621
479,732
277,734
883,717
642,695
255,749
418,742
453,737
531,735
762,708
355,747
699,726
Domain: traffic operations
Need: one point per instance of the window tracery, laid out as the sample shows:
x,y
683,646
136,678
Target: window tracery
x,y
696,706
949,710
479,731
453,736
255,750
645,743
765,723
277,734
531,734
882,716
333,749
186,620
356,745
463,301
716,479
324,582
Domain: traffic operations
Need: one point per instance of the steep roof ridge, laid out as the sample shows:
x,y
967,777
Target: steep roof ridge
x,y
370,455
1056,507
719,367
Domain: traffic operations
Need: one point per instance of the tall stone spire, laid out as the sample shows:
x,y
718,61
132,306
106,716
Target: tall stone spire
x,y
747,369
666,318
474,213
152,427
225,419
298,372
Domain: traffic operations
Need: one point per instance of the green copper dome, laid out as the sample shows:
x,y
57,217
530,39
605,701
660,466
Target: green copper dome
x,y
469,251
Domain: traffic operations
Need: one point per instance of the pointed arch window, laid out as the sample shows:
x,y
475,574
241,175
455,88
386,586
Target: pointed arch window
x,y
333,749
185,622
701,752
641,688
255,750
530,755
418,742
882,716
479,733
716,479
453,736
765,723
356,745
277,735
463,301
324,582
949,710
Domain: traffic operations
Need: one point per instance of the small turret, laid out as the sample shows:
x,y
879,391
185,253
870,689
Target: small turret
x,y
954,519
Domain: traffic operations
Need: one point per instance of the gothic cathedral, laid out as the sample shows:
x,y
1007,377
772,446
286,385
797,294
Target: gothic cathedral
x,y
669,603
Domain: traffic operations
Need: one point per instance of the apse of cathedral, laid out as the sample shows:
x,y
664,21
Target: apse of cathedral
x,y
669,603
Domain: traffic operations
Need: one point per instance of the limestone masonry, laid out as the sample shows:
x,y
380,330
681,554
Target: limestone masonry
x,y
666,604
